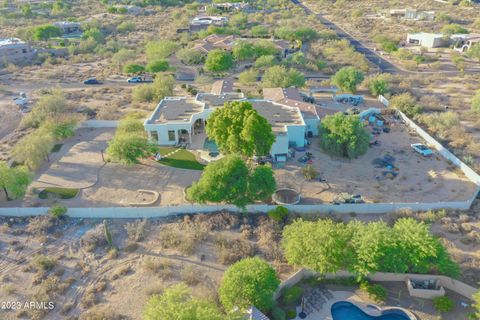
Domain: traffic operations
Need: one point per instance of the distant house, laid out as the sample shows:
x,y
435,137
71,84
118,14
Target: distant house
x,y
427,40
224,86
413,14
14,50
228,6
214,41
203,22
463,42
68,27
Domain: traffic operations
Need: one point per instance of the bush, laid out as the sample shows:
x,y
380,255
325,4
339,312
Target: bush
x,y
278,314
218,60
190,56
309,172
443,304
291,314
375,291
279,214
348,78
292,296
279,76
43,263
476,102
248,76
406,103
57,211
157,66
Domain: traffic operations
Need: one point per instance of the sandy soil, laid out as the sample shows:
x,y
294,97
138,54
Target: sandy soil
x,y
419,180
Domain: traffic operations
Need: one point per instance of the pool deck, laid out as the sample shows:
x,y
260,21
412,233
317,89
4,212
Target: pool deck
x,y
326,314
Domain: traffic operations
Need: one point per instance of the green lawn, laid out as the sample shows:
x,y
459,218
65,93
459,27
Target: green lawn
x,y
183,159
62,193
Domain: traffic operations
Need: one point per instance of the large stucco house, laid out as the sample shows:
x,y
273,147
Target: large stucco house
x,y
13,50
182,120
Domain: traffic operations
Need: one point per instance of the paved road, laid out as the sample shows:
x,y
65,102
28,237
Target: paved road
x,y
383,65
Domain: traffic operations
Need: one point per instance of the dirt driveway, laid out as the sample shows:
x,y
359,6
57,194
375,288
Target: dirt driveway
x,y
79,165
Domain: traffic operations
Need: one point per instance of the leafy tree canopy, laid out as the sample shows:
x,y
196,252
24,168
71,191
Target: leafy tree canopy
x,y
348,78
364,248
249,282
45,32
133,68
343,135
176,302
279,76
238,128
14,181
157,66
218,60
230,180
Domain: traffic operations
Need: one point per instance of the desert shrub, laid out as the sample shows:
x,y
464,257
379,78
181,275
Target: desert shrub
x,y
406,103
278,314
43,263
309,172
39,225
57,211
291,296
279,214
191,275
291,314
248,76
375,291
432,216
231,251
269,234
190,56
101,313
136,230
476,102
94,238
443,304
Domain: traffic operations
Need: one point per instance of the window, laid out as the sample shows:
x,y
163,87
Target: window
x,y
154,135
171,135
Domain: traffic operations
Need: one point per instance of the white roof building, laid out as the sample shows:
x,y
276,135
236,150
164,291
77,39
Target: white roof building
x,y
428,40
14,50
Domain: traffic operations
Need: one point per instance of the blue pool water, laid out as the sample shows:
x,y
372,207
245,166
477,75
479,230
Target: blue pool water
x,y
210,145
344,310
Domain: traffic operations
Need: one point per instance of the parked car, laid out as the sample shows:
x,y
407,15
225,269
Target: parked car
x,y
136,80
422,149
91,81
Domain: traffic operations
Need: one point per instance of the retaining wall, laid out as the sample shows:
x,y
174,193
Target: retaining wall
x,y
152,212
457,286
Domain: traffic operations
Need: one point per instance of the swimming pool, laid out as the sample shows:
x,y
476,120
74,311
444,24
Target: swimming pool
x,y
344,310
210,145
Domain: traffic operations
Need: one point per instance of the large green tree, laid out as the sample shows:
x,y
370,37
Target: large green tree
x,y
363,248
348,78
14,181
321,245
177,303
129,143
45,32
249,282
343,135
238,128
50,104
279,76
33,149
218,60
230,180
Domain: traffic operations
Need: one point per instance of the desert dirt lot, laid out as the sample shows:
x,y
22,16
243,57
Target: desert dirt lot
x,y
419,179
82,275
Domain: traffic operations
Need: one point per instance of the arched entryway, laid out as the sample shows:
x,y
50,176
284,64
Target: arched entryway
x,y
198,126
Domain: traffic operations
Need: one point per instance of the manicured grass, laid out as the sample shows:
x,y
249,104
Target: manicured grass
x,y
62,193
183,159
57,147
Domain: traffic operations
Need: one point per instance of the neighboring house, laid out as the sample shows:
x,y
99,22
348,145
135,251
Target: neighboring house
x,y
223,86
228,6
428,40
254,314
180,120
214,41
463,42
13,50
203,22
291,97
226,42
68,27
413,14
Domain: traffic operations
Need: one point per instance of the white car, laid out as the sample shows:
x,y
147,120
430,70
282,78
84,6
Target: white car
x,y
422,149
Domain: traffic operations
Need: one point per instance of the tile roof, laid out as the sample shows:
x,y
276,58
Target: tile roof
x,y
222,86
